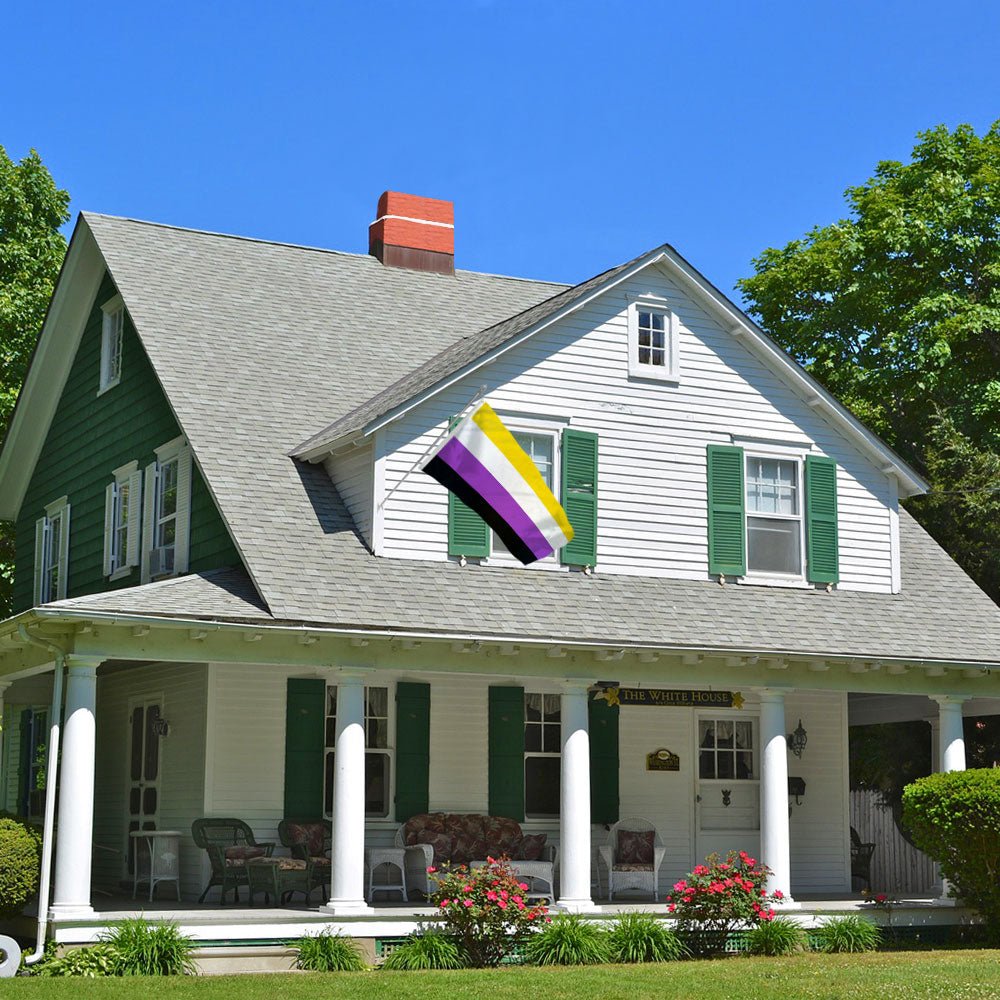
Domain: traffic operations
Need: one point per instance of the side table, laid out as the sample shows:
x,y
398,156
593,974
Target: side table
x,y
160,862
395,856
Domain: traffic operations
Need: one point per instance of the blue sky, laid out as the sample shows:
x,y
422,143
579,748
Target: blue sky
x,y
570,136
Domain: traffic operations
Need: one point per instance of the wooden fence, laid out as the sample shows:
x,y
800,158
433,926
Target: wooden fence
x,y
897,866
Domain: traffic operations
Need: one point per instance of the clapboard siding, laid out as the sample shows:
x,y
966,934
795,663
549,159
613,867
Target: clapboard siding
x,y
183,689
898,868
11,723
652,489
352,473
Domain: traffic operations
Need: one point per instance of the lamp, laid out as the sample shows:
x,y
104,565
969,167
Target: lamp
x,y
797,740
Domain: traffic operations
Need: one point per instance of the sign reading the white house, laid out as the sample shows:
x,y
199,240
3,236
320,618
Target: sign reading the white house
x,y
670,699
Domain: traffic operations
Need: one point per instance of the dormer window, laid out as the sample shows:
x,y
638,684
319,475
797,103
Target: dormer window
x,y
652,340
112,334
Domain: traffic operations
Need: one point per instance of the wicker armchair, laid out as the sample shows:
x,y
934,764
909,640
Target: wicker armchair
x,y
309,840
632,862
230,845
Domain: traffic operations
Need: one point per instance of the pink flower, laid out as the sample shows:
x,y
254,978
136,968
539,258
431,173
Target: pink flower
x,y
523,886
680,886
491,896
778,894
700,870
880,897
444,903
431,869
671,908
468,888
503,894
501,904
517,899
468,902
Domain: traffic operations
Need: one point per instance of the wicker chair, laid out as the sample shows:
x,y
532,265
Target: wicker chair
x,y
625,873
230,845
309,840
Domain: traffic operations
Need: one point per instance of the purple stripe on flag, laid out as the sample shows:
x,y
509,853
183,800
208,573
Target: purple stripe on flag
x,y
462,461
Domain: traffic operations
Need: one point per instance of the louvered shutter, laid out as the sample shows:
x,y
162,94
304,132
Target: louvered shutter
x,y
413,749
468,533
579,496
603,729
182,538
506,752
305,741
726,511
41,536
62,586
148,515
110,496
822,562
134,518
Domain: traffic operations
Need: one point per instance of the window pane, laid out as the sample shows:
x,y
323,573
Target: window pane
x,y
376,784
135,770
706,764
553,708
706,733
541,786
772,486
331,732
149,801
331,701
152,762
532,737
773,546
744,765
744,734
551,737
377,701
725,764
328,785
377,733
533,707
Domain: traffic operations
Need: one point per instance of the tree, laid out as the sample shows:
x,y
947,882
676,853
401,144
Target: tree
x,y
32,248
896,310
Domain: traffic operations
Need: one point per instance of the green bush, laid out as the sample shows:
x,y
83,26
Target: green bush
x,y
146,948
98,960
641,937
780,936
568,940
851,933
329,953
429,949
954,817
20,864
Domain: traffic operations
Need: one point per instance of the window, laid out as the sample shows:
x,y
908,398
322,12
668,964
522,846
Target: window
x,y
166,512
652,334
378,755
774,516
542,759
541,449
726,749
112,334
52,552
121,521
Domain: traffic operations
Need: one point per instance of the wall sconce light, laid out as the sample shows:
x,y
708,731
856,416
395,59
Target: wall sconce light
x,y
797,740
160,727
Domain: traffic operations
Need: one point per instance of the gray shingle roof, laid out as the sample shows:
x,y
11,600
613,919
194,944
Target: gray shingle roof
x,y
254,343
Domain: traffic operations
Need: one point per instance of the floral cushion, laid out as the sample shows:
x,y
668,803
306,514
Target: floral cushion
x,y
530,848
440,842
285,864
423,822
635,847
320,862
311,835
503,836
464,837
237,857
467,848
633,867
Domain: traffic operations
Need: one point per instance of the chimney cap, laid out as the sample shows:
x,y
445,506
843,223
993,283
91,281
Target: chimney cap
x,y
414,232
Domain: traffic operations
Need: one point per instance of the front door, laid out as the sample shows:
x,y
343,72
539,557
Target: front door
x,y
144,771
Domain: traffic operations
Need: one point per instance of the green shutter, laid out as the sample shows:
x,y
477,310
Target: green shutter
x,y
603,726
727,552
468,533
413,749
24,764
579,496
822,562
305,744
506,752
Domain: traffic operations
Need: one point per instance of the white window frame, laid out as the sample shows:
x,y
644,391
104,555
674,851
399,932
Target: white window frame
x,y
668,372
46,559
759,577
387,751
112,342
175,450
119,561
724,716
540,753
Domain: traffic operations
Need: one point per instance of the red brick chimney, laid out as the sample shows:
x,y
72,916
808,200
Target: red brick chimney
x,y
414,232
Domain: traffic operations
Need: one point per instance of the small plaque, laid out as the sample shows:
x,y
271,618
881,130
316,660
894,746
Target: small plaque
x,y
662,760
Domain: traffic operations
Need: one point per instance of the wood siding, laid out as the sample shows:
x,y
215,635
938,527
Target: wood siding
x,y
91,435
352,475
653,437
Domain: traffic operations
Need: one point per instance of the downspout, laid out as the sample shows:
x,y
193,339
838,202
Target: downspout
x,y
51,772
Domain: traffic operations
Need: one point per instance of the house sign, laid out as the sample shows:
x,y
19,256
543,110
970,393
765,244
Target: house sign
x,y
662,760
670,699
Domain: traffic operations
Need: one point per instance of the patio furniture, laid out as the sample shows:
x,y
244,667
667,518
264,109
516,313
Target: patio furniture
x,y
391,857
230,844
158,860
461,838
279,877
309,840
861,859
537,874
632,856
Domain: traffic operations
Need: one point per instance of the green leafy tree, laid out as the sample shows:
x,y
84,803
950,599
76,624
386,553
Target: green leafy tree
x,y
32,248
896,310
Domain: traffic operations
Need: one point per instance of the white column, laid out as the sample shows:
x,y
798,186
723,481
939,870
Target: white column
x,y
949,755
347,894
74,841
774,849
574,807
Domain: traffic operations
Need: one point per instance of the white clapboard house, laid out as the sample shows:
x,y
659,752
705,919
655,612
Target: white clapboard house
x,y
264,610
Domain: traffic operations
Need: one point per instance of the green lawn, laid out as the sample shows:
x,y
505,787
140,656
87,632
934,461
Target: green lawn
x,y
956,975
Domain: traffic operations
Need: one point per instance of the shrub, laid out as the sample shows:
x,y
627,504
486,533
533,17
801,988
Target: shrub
x,y
484,910
954,817
97,960
326,952
429,949
851,933
20,863
641,937
147,948
719,896
568,940
780,936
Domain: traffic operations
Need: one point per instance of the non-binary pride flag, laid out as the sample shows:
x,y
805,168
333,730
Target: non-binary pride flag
x,y
487,469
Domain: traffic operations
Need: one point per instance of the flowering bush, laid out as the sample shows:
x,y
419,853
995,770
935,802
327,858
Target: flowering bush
x,y
719,896
485,909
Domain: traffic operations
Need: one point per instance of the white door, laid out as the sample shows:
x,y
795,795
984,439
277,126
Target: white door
x,y
143,772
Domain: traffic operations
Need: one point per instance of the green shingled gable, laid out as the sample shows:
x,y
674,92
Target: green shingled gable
x,y
90,436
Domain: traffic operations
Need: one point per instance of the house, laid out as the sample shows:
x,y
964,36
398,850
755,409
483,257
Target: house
x,y
265,610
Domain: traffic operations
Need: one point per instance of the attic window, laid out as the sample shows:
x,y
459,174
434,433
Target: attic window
x,y
652,340
112,334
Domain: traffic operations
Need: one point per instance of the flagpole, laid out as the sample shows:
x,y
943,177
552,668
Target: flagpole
x,y
447,430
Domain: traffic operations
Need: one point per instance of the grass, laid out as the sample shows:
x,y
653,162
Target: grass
x,y
931,975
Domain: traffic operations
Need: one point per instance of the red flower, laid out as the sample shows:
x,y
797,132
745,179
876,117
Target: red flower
x,y
778,894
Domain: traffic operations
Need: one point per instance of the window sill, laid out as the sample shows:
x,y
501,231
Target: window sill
x,y
786,582
120,574
104,388
641,375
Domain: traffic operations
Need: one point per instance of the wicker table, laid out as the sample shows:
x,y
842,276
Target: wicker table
x,y
393,856
162,859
